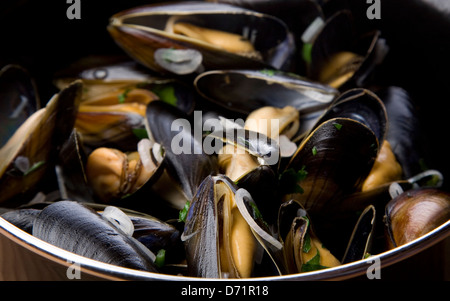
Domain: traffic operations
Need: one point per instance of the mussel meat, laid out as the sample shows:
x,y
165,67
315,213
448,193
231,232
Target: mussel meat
x,y
220,239
114,174
29,153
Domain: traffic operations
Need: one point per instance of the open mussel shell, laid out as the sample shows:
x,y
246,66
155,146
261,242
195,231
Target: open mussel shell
x,y
260,183
141,32
340,57
302,249
361,105
201,231
249,158
414,213
244,91
361,239
104,75
270,262
380,195
222,221
405,133
186,162
264,149
337,156
31,151
71,170
115,118
19,99
297,14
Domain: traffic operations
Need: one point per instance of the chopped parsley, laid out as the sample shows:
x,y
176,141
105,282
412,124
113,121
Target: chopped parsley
x,y
313,264
268,72
290,179
257,214
140,133
306,52
183,212
123,96
166,93
160,258
307,243
34,167
338,126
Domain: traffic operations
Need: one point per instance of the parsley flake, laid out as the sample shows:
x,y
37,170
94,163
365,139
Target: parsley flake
x,y
338,126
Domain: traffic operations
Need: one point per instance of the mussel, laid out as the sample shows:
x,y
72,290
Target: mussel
x,y
360,244
102,232
405,132
165,36
19,99
104,76
31,151
114,175
302,249
339,56
414,213
187,164
222,239
268,128
112,118
337,157
244,91
79,229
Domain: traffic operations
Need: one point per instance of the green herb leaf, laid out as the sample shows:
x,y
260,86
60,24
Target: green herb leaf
x,y
183,212
268,72
290,179
306,52
123,96
34,167
160,258
307,243
257,216
140,133
314,151
313,264
338,126
166,93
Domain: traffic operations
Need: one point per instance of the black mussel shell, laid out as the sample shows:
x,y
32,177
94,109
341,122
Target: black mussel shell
x,y
22,218
19,99
363,106
31,152
79,229
244,91
405,133
337,156
141,32
361,239
185,158
339,34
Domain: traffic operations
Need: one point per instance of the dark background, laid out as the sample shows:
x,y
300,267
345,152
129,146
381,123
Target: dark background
x,y
39,36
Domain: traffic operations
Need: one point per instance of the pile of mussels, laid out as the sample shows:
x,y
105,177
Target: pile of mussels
x,y
227,145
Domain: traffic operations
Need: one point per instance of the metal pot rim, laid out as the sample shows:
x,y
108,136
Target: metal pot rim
x,y
111,272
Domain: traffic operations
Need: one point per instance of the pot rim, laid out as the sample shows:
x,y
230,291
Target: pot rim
x,y
112,272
